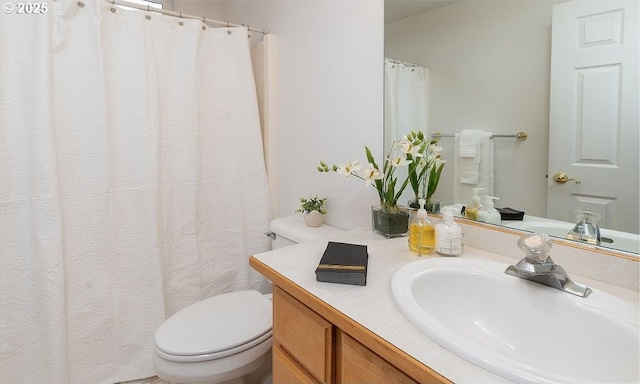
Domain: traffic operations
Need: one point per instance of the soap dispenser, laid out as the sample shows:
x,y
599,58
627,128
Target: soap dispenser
x,y
421,232
471,211
488,213
448,236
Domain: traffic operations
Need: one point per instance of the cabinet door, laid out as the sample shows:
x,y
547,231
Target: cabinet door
x,y
287,371
303,334
355,363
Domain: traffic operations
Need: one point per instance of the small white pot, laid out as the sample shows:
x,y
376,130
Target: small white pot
x,y
313,218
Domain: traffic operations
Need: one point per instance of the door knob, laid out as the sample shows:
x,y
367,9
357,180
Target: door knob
x,y
563,178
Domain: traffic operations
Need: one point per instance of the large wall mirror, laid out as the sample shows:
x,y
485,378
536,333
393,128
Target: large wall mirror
x,y
489,68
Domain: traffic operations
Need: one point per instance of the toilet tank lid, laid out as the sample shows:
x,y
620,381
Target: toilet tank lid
x,y
216,324
293,228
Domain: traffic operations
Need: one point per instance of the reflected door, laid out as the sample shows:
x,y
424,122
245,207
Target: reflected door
x,y
593,128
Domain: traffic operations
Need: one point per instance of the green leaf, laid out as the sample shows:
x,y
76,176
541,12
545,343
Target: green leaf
x,y
434,178
404,185
390,189
370,158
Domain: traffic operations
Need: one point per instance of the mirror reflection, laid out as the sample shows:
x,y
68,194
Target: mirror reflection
x,y
490,66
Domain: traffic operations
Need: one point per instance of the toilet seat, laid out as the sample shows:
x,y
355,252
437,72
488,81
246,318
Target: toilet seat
x,y
217,327
214,355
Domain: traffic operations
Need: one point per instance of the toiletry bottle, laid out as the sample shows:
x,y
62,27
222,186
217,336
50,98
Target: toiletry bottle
x,y
471,211
488,213
448,236
421,232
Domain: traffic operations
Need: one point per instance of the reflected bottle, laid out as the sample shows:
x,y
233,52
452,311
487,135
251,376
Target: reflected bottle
x,y
421,232
471,211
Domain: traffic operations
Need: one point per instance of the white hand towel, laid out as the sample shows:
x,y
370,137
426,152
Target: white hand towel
x,y
462,192
469,155
469,142
469,169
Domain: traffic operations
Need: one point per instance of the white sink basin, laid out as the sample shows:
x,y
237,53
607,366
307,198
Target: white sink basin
x,y
612,239
523,331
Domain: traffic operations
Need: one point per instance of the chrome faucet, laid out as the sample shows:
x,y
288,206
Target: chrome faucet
x,y
538,266
586,229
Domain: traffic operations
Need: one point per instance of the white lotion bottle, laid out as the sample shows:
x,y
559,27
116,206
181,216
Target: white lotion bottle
x,y
489,214
448,236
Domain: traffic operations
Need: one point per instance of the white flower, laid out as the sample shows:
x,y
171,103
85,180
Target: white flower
x,y
400,144
434,148
349,168
410,149
439,161
369,174
399,161
423,162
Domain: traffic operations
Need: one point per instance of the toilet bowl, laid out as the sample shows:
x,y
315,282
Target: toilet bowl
x,y
217,340
227,338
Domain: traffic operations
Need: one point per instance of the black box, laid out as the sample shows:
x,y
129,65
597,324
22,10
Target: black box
x,y
510,214
343,263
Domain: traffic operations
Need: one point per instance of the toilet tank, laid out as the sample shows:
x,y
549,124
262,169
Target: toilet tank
x,y
290,230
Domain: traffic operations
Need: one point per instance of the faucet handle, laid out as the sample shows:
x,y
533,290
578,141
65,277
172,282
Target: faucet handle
x,y
587,216
536,247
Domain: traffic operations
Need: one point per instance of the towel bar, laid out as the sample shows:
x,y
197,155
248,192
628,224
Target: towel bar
x,y
520,136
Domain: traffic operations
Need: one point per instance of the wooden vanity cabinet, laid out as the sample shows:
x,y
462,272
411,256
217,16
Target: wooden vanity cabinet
x,y
304,337
287,370
308,348
356,363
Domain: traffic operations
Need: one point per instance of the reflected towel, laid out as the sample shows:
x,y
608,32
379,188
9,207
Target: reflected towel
x,y
464,175
470,153
469,142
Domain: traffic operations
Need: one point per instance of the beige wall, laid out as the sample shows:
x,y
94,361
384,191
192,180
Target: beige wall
x,y
490,68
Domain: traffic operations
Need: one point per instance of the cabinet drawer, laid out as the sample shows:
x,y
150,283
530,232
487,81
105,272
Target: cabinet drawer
x,y
357,364
303,334
287,371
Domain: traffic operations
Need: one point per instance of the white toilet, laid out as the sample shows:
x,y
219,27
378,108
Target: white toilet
x,y
227,338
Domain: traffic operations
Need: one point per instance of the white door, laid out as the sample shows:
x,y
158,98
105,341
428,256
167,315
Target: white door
x,y
593,128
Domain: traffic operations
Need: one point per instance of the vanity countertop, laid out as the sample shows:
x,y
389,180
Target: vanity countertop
x,y
372,306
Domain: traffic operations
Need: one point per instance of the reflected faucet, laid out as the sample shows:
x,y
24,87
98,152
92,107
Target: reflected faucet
x,y
586,229
538,266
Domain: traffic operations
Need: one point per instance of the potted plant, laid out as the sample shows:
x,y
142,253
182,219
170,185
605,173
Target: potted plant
x,y
388,219
314,209
424,174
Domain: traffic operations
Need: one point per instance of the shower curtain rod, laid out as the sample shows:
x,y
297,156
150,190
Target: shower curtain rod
x,y
184,15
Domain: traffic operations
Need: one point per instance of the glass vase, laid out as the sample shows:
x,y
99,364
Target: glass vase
x,y
432,205
389,223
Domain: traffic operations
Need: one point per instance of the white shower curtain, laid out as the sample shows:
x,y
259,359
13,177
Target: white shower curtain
x,y
406,106
406,100
132,184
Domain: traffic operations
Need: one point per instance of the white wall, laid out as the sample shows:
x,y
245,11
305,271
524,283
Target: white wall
x,y
211,9
330,96
490,68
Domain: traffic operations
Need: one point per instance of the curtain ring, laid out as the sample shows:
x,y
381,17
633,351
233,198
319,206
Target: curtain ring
x,y
203,19
180,15
148,8
227,24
